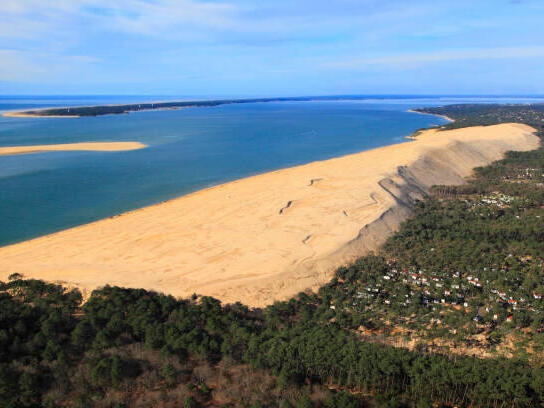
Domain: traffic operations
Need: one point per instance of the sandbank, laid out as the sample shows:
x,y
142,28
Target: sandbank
x,y
266,237
25,114
87,146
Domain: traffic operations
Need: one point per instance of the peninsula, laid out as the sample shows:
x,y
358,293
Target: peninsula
x,y
266,237
79,111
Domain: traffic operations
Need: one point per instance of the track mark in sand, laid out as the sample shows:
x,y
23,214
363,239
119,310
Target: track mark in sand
x,y
313,181
286,207
306,239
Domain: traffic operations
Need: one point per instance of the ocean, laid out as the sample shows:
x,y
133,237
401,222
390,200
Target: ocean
x,y
189,149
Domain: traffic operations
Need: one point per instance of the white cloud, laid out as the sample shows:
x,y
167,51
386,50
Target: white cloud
x,y
140,16
438,56
20,66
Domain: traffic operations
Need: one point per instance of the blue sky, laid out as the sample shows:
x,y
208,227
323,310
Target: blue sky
x,y
271,47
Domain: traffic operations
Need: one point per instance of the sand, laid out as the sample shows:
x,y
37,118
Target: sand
x,y
25,114
90,146
266,237
433,114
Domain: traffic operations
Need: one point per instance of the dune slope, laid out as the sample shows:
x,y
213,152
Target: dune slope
x,y
266,237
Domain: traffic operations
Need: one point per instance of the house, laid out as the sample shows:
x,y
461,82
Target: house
x,y
512,301
537,296
509,318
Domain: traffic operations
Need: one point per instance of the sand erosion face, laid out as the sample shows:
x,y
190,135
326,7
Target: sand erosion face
x,y
266,237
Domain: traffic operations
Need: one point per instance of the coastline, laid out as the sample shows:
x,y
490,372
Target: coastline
x,y
124,108
83,146
432,114
22,114
269,236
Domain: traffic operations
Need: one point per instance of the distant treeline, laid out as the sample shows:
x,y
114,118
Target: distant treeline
x,y
465,115
134,107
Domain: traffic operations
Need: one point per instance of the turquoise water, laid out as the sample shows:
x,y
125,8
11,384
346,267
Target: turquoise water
x,y
189,149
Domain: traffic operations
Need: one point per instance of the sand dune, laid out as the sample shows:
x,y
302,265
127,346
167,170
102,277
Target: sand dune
x,y
90,146
265,237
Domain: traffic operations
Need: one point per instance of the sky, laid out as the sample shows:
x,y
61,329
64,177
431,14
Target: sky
x,y
271,47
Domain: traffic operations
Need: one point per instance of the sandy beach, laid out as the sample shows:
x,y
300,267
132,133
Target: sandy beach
x,y
90,146
23,114
434,114
266,237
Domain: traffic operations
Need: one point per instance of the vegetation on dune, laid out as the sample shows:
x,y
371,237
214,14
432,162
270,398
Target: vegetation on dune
x,y
449,312
465,115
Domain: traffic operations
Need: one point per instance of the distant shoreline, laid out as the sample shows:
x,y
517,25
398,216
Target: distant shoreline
x,y
117,109
84,146
418,132
433,114
24,114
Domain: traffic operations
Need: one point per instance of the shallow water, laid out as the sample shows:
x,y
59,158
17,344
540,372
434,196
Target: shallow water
x,y
189,149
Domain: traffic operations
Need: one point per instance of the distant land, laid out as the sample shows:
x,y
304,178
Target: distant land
x,y
115,109
99,110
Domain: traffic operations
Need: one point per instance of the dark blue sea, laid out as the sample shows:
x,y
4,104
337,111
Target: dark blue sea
x,y
189,149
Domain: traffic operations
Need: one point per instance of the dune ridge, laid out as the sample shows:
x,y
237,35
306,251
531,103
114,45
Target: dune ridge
x,y
85,146
267,237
